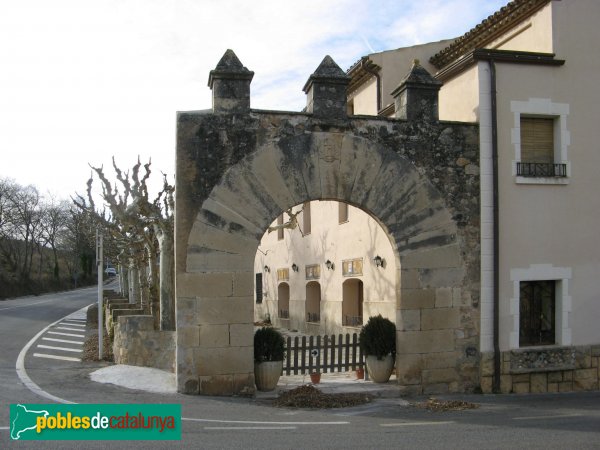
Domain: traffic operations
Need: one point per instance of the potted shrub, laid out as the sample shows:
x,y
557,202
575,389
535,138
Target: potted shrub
x,y
377,340
268,358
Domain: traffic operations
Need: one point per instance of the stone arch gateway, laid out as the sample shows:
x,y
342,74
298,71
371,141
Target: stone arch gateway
x,y
238,169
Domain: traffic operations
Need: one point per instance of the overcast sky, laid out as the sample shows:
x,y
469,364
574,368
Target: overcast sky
x,y
83,80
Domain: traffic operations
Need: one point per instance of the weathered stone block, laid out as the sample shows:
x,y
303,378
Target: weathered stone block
x,y
417,298
214,335
241,335
538,382
552,387
555,377
443,298
521,388
440,257
408,320
487,364
225,310
440,360
243,284
409,369
410,279
188,336
440,319
432,341
223,360
205,284
216,385
486,385
506,384
521,378
433,376
565,386
435,278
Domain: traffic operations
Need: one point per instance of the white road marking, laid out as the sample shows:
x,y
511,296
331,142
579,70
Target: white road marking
x,y
63,358
62,340
250,428
22,373
68,324
68,329
4,428
557,416
258,422
410,424
64,349
67,334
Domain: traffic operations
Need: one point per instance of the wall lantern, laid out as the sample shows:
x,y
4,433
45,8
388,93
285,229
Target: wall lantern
x,y
329,265
295,267
379,261
267,269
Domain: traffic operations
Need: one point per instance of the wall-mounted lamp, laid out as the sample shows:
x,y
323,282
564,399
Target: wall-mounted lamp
x,y
379,261
295,267
267,269
329,265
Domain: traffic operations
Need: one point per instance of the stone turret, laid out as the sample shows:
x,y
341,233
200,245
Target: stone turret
x,y
230,84
326,91
416,98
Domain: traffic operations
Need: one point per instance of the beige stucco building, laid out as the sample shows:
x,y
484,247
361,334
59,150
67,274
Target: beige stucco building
x,y
526,75
329,272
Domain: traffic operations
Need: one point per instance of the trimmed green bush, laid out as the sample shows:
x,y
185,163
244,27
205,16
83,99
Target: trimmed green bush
x,y
268,345
378,337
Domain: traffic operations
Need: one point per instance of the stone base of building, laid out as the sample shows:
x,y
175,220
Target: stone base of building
x,y
544,369
137,343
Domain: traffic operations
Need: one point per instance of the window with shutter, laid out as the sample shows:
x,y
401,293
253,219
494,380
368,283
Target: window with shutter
x,y
537,140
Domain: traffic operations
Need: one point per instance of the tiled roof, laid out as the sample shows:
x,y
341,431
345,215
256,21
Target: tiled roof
x,y
488,30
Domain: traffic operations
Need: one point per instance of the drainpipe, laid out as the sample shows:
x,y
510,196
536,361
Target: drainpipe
x,y
496,233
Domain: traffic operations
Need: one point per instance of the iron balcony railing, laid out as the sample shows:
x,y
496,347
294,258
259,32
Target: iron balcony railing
x,y
284,314
313,317
529,169
353,321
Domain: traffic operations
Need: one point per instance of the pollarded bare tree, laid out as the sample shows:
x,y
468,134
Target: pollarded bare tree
x,y
153,221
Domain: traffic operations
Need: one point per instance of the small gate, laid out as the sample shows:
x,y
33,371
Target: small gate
x,y
322,354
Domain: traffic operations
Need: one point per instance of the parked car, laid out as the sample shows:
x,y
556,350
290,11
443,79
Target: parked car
x,y
110,272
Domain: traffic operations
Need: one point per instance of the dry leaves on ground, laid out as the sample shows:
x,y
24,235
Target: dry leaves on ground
x,y
90,348
433,404
308,396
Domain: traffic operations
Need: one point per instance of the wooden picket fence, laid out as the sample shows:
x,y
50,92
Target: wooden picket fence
x,y
323,354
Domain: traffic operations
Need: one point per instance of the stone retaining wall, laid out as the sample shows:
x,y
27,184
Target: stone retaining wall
x,y
137,343
551,369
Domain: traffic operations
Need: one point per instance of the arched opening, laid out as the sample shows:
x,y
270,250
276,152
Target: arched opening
x,y
283,301
229,194
344,241
352,303
313,302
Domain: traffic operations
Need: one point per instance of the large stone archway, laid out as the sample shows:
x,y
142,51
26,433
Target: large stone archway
x,y
237,169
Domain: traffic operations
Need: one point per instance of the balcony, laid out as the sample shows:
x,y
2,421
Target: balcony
x,y
313,317
352,321
284,314
539,170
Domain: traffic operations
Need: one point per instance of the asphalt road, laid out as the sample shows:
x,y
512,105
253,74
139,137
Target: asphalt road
x,y
565,421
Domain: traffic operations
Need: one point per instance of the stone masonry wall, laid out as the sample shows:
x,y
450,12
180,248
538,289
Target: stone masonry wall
x,y
136,343
551,369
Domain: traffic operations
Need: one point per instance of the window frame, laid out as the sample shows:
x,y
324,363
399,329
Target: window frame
x,y
546,109
562,306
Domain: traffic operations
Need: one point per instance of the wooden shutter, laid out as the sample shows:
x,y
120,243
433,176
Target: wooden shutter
x,y
537,140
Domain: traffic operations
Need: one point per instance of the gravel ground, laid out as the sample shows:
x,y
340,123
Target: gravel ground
x,y
90,348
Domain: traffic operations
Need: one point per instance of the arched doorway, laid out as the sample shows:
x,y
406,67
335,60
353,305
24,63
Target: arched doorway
x,y
352,303
313,302
283,301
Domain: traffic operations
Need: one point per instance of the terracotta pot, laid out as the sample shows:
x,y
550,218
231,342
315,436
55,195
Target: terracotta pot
x,y
380,370
266,374
360,373
315,378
